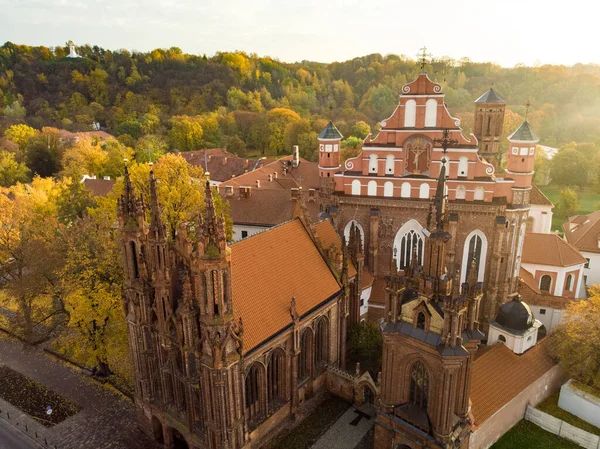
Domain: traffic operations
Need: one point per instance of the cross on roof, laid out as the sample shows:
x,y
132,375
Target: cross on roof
x,y
445,141
527,106
423,55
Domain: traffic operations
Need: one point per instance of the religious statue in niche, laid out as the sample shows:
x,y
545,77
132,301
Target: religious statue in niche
x,y
418,154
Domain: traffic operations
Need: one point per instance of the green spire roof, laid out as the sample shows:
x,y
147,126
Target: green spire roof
x,y
490,97
524,133
330,132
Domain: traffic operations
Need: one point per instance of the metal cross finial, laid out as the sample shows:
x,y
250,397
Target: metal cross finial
x,y
423,55
527,106
445,141
331,112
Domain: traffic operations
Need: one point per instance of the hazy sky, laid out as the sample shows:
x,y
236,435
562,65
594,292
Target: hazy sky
x,y
506,31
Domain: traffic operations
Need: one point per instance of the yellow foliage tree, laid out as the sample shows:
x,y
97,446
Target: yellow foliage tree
x,y
20,134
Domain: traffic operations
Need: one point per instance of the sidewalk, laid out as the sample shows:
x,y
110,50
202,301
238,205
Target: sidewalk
x,y
106,420
347,432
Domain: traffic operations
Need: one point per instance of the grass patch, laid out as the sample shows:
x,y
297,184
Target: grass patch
x,y
551,407
525,434
304,435
588,198
33,398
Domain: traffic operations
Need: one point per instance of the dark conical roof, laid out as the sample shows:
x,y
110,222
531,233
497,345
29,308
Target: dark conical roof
x,y
524,133
330,132
491,96
515,315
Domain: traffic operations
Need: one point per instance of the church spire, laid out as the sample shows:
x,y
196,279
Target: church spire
x,y
156,225
212,228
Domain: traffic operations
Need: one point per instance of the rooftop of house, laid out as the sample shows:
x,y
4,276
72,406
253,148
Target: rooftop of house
x,y
583,232
499,375
328,237
531,294
99,187
102,135
219,163
524,133
271,267
537,197
550,249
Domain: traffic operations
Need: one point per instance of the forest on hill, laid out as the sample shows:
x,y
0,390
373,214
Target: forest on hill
x,y
166,99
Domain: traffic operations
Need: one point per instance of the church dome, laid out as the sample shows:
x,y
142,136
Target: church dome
x,y
515,315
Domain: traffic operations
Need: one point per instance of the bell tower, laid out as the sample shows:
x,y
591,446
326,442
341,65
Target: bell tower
x,y
329,157
489,119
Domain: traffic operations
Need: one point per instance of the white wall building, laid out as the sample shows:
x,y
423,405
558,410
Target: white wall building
x,y
540,213
583,232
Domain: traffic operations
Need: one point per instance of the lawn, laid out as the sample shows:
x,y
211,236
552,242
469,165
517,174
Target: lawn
x,y
527,435
304,435
588,199
34,398
550,406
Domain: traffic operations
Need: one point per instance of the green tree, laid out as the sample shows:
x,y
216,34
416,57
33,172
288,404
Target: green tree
x,y
351,147
11,171
150,148
186,133
360,130
237,146
569,167
568,203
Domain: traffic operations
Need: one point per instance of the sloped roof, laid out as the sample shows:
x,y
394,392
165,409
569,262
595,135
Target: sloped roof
x,y
330,132
99,187
550,249
538,197
499,375
491,96
531,294
328,236
270,267
524,133
265,207
221,164
583,231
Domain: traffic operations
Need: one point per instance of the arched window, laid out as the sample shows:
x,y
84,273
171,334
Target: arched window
x,y
276,378
372,188
405,190
373,163
431,113
134,260
408,237
475,248
502,338
479,193
253,392
348,228
321,342
463,166
569,283
424,191
461,192
421,321
304,362
389,164
356,187
545,283
410,114
419,386
388,189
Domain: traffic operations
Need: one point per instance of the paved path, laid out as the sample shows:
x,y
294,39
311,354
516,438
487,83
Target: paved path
x,y
11,438
348,430
106,420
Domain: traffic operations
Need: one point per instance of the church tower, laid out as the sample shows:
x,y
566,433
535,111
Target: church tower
x,y
520,162
489,119
430,334
329,157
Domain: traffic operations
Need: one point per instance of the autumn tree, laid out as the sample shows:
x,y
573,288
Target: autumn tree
x,y
568,203
360,130
11,171
186,133
20,134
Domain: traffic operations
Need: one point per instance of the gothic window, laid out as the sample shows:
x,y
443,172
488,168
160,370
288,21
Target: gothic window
x,y
372,188
424,191
373,163
348,228
405,190
253,392
421,321
479,193
569,283
404,249
461,192
275,377
419,386
545,283
463,166
388,189
389,164
410,114
431,113
321,342
304,361
489,125
356,187
134,260
475,248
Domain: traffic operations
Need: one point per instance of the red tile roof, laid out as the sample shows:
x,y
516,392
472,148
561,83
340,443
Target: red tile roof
x,y
550,249
538,197
219,163
499,375
583,232
531,294
99,187
267,269
329,236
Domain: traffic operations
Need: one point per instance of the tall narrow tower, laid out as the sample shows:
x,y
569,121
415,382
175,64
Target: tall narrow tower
x,y
521,157
489,119
329,157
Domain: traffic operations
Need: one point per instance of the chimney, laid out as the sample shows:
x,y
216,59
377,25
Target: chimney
x,y
295,193
296,160
311,195
245,163
245,192
270,178
225,161
228,191
258,183
107,178
284,172
275,174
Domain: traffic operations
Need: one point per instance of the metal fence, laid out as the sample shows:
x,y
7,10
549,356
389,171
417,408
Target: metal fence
x,y
31,435
562,429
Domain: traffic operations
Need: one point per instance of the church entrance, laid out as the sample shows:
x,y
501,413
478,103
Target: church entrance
x,y
178,441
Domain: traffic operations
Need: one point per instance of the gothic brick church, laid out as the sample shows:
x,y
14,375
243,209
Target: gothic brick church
x,y
229,339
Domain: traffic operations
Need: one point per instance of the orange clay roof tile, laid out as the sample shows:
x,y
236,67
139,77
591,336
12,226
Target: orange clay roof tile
x,y
550,249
